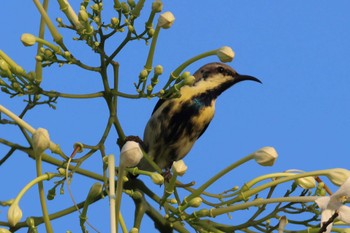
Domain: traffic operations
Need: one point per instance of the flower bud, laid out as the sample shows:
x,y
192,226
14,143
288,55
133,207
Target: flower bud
x,y
166,20
4,230
28,39
40,140
131,3
143,75
158,70
95,191
338,175
14,214
150,32
157,6
114,21
225,54
157,178
134,230
83,16
179,167
131,154
308,182
195,202
189,80
265,156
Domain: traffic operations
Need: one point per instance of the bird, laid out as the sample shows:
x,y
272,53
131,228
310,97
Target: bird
x,y
177,123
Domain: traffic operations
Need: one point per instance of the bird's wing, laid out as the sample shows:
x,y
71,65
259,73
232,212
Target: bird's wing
x,y
159,103
204,129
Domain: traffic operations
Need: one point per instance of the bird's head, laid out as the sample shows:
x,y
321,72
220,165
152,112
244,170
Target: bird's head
x,y
216,77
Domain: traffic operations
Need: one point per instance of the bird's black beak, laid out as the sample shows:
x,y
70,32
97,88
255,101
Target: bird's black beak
x,y
241,77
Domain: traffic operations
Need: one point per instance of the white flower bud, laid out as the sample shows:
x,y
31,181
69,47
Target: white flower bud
x,y
338,175
179,167
131,154
225,54
28,39
166,20
157,178
14,214
40,140
265,156
308,182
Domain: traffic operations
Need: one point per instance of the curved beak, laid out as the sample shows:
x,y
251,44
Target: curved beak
x,y
241,77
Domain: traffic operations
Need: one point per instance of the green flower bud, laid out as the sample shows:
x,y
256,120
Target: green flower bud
x,y
28,39
95,7
157,6
189,80
131,28
48,53
143,75
157,178
150,32
4,66
51,194
4,230
95,191
195,202
158,70
14,214
97,20
114,21
117,5
62,171
308,182
83,16
131,3
125,8
134,230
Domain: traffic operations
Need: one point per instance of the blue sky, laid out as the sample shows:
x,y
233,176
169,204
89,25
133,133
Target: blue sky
x,y
299,49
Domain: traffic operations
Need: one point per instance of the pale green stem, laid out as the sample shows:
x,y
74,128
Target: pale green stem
x,y
257,202
18,120
111,170
149,61
119,193
246,194
69,12
46,176
54,32
218,176
38,64
42,195
179,69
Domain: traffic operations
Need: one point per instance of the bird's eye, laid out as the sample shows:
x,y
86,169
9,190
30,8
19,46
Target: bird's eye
x,y
220,69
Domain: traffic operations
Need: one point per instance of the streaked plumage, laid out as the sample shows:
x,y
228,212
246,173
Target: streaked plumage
x,y
177,123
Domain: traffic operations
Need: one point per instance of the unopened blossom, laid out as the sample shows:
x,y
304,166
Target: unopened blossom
x,y
28,39
265,156
225,54
166,20
157,178
338,175
40,140
131,154
179,167
14,214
